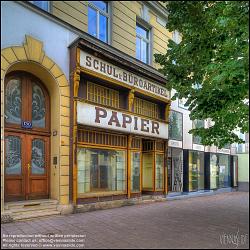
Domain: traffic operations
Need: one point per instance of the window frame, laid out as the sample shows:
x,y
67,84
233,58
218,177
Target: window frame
x,y
144,25
49,5
106,14
178,112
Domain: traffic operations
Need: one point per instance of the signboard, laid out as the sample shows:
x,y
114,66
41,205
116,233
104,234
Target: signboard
x,y
198,147
175,144
98,65
93,115
223,151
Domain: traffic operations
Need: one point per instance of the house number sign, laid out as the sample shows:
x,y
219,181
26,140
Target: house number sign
x,y
26,124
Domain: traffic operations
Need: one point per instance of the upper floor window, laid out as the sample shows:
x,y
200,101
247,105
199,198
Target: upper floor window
x,y
98,20
142,43
143,107
197,124
41,4
102,95
175,126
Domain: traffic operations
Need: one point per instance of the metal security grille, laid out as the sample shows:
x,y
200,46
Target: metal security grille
x,y
147,108
101,138
136,143
102,95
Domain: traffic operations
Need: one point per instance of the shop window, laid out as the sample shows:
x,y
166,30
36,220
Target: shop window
x,y
175,170
41,4
143,107
135,171
159,171
224,171
197,124
196,171
175,126
101,170
214,171
142,43
102,95
98,20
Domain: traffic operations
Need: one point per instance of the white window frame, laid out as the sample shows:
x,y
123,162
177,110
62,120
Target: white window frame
x,y
106,14
148,41
49,5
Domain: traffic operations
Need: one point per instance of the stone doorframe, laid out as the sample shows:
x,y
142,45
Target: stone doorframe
x,y
31,57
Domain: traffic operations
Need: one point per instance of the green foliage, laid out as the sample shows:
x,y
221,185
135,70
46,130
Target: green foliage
x,y
214,53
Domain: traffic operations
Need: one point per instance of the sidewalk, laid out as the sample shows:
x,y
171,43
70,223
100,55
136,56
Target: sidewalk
x,y
201,222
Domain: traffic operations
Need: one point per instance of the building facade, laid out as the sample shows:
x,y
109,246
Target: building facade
x,y
85,115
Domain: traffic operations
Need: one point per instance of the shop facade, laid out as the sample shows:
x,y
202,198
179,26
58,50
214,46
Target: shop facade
x,y
120,127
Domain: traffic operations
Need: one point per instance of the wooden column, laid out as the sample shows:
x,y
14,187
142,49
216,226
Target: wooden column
x,y
76,81
129,166
131,97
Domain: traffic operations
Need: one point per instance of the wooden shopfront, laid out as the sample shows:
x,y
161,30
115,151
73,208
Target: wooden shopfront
x,y
120,129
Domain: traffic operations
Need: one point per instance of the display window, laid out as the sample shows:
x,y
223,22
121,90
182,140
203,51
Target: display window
x,y
196,171
101,170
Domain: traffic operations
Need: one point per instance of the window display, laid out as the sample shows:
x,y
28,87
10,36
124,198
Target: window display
x,y
196,171
214,171
101,170
159,171
135,172
224,171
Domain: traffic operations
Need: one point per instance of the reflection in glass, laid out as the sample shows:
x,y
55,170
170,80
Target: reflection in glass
x,y
141,31
38,157
103,28
101,5
224,171
92,22
196,171
101,170
197,124
138,48
144,51
175,126
13,105
135,172
147,166
214,171
177,168
13,161
159,168
41,4
38,107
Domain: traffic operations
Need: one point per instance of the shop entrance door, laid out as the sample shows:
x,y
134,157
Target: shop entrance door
x,y
26,166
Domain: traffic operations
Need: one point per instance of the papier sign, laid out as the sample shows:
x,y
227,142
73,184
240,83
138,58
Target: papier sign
x,y
100,66
93,115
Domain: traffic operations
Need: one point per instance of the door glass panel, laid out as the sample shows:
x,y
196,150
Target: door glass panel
x,y
13,160
159,167
147,170
38,157
38,107
13,102
135,172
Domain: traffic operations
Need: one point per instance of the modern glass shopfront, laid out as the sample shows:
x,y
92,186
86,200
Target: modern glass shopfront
x,y
175,170
220,176
193,171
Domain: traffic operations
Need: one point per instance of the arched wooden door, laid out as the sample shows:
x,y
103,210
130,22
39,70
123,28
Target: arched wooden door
x,y
27,134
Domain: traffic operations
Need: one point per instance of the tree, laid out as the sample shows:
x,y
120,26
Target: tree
x,y
210,65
